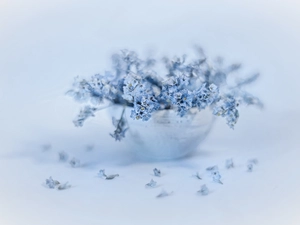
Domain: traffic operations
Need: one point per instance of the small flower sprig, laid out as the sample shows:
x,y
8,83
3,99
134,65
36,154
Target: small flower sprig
x,y
103,175
120,126
151,184
137,83
54,184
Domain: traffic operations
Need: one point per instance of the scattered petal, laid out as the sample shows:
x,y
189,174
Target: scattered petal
x,y
107,177
63,186
120,126
212,168
163,193
50,183
84,114
151,184
63,156
250,167
197,176
195,83
227,107
110,177
75,162
217,177
102,174
229,164
157,172
203,190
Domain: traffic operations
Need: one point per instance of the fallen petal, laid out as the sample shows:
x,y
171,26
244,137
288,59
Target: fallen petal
x,y
63,186
204,190
110,177
163,193
151,184
157,172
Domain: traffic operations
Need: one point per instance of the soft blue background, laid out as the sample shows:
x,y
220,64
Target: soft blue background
x,y
44,44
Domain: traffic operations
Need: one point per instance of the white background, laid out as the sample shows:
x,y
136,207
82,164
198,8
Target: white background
x,y
44,44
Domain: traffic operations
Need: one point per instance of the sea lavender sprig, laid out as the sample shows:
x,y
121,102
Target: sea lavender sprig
x,y
136,83
120,126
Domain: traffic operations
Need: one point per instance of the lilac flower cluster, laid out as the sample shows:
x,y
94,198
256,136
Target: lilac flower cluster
x,y
139,84
227,108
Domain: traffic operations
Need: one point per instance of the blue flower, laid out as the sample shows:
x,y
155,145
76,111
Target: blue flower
x,y
217,177
130,84
107,177
197,175
136,83
227,108
205,96
183,101
63,156
80,91
84,113
102,173
212,168
121,127
144,106
229,163
156,172
50,183
75,162
151,184
203,190
163,194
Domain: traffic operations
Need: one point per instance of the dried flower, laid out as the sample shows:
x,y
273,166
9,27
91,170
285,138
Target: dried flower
x,y
130,87
205,96
50,183
63,186
151,184
249,167
203,190
144,106
229,163
197,176
217,177
137,83
163,193
156,172
107,177
75,162
102,174
120,126
84,113
227,108
63,156
251,163
110,177
212,168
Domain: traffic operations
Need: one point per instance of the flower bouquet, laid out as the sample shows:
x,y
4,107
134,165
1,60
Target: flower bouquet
x,y
184,97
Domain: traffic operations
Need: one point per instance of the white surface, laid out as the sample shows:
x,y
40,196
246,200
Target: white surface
x,y
44,44
268,195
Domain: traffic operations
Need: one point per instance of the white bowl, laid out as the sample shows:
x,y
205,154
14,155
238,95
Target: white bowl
x,y
166,135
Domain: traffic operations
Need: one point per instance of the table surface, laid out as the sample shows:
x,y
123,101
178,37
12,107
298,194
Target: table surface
x,y
267,195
